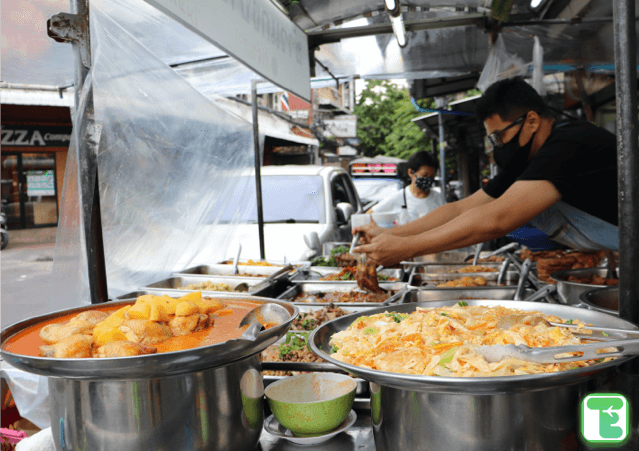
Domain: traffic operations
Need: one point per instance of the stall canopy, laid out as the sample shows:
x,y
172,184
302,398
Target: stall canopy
x,y
445,38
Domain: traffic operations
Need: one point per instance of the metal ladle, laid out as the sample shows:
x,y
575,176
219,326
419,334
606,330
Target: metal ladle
x,y
265,313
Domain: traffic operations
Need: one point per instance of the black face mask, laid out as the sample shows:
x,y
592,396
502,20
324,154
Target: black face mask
x,y
513,157
424,183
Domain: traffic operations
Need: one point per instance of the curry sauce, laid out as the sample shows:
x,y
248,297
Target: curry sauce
x,y
225,327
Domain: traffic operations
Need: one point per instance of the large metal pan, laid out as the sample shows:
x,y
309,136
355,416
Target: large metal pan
x,y
529,412
569,291
604,300
145,366
443,257
257,286
343,287
479,293
243,271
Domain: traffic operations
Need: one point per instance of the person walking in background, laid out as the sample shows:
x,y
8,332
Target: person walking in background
x,y
419,198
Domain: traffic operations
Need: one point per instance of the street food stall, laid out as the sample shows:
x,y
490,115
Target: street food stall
x,y
149,157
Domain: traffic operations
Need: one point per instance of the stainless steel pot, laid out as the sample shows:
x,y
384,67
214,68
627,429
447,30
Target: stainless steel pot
x,y
202,399
604,300
426,413
569,291
214,409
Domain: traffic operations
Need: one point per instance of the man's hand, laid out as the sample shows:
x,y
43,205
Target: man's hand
x,y
386,250
368,231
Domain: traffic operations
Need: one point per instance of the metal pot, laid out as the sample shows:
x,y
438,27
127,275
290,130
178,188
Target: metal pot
x,y
532,412
604,300
569,291
204,399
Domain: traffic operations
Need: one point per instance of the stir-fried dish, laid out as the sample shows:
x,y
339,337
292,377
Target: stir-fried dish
x,y
338,297
315,318
472,268
212,286
441,341
464,282
348,274
252,263
153,324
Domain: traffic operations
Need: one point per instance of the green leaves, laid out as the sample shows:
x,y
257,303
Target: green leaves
x,y
398,317
294,342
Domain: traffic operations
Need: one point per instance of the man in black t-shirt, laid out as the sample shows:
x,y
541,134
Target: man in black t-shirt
x,y
562,178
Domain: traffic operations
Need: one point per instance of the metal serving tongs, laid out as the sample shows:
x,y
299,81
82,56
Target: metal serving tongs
x,y
354,242
523,277
597,333
549,355
237,259
501,250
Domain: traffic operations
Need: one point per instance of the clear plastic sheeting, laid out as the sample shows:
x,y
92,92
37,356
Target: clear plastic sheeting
x,y
167,156
500,65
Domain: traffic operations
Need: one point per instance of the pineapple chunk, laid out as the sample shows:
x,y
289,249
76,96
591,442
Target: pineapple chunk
x,y
185,308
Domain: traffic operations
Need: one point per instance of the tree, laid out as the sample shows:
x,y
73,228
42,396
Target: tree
x,y
375,109
384,127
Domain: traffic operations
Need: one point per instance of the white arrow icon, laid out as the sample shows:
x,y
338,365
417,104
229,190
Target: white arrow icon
x,y
609,411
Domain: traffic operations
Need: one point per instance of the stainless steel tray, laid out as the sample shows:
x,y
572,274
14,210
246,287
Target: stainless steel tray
x,y
432,280
243,271
446,294
443,257
342,287
314,273
257,286
144,366
448,268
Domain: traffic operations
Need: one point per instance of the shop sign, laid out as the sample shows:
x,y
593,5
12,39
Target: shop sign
x,y
40,183
255,32
341,127
35,136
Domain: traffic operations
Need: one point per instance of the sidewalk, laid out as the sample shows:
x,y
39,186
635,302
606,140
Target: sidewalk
x,y
30,237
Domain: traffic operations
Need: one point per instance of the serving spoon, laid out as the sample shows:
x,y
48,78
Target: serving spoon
x,y
265,313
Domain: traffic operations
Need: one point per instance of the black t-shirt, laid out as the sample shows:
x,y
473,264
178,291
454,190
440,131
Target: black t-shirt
x,y
580,159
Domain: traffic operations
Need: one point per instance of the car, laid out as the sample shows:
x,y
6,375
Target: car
x,y
372,190
304,206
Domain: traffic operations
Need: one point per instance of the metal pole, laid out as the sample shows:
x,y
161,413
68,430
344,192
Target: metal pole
x,y
628,157
88,167
258,174
442,155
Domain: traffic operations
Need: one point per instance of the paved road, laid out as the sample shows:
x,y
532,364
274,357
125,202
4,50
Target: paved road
x,y
26,280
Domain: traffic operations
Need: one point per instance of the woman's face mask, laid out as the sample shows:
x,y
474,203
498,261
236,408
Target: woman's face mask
x,y
424,183
512,156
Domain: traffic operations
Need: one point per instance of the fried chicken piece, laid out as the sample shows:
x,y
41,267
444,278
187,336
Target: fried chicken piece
x,y
366,276
123,348
184,325
91,316
346,259
54,333
145,332
72,347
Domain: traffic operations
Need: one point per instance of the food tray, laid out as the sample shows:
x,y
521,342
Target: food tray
x,y
341,287
257,286
314,273
447,268
442,257
446,294
243,271
424,280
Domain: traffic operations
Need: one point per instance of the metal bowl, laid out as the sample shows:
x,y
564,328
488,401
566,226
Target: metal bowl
x,y
144,366
604,300
529,412
569,291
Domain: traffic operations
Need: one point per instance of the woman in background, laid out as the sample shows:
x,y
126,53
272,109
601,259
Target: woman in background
x,y
418,197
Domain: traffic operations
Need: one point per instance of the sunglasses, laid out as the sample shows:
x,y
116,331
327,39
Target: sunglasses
x,y
495,137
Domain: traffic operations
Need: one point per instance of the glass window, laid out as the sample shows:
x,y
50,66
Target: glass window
x,y
285,198
376,189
